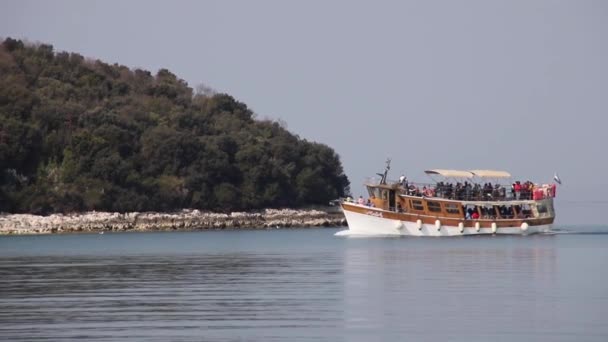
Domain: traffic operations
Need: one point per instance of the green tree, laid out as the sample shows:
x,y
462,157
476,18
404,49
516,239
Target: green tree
x,y
80,134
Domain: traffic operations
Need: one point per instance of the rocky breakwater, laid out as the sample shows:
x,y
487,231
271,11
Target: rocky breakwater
x,y
183,220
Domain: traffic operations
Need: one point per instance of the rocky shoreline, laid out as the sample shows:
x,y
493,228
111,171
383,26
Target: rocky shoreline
x,y
186,220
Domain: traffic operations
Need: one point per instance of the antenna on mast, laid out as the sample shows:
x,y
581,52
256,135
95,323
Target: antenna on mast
x,y
383,175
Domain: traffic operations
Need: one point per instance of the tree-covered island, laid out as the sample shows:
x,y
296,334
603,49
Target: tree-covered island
x,y
79,135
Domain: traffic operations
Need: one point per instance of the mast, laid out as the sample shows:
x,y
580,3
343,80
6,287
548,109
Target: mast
x,y
383,175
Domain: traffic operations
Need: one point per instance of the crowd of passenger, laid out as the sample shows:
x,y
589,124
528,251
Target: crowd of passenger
x,y
361,201
476,192
503,212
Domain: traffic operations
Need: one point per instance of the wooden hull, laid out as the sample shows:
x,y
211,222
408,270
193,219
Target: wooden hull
x,y
363,220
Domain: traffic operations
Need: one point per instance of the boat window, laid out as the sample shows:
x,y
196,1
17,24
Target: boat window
x,y
469,209
542,208
488,212
417,205
433,206
373,192
525,211
497,211
506,212
452,208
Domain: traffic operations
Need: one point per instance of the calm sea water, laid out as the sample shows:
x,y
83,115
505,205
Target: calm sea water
x,y
304,285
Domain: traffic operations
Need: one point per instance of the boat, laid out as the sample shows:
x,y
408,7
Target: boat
x,y
456,204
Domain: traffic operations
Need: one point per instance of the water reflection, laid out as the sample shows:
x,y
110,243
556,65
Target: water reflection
x,y
111,298
304,285
435,288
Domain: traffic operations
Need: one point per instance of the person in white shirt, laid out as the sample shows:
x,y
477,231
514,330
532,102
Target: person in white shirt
x,y
402,180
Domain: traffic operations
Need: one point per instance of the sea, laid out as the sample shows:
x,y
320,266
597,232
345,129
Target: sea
x,y
304,285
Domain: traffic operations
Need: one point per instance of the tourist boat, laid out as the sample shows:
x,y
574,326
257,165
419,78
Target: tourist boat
x,y
458,205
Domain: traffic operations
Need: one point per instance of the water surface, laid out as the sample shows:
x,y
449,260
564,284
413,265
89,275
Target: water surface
x,y
303,285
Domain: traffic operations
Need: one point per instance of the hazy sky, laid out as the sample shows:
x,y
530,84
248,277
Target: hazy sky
x,y
514,85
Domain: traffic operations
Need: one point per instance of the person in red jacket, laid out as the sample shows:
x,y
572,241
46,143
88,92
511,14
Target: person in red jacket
x,y
517,188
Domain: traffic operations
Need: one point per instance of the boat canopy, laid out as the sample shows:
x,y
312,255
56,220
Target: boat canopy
x,y
450,173
491,174
469,174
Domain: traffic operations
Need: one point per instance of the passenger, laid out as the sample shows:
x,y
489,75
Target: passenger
x,y
476,192
468,214
427,192
503,211
530,189
368,203
517,188
467,191
402,180
496,192
439,189
458,191
502,193
361,201
475,215
487,191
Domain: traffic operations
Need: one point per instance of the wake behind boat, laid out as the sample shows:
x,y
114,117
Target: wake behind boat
x,y
448,209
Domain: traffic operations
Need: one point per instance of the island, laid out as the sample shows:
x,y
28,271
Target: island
x,y
86,141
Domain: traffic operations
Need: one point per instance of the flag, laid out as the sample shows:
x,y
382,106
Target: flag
x,y
556,179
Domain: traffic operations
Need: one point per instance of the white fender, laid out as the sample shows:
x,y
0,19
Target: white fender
x,y
477,226
524,226
438,225
419,224
461,226
494,227
399,225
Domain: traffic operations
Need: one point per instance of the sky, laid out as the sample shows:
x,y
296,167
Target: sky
x,y
512,85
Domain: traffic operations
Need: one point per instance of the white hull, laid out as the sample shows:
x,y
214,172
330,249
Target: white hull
x,y
362,224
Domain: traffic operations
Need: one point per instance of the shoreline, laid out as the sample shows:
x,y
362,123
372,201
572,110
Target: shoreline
x,y
185,220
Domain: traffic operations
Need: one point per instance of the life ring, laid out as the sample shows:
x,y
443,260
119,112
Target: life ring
x,y
461,227
524,226
419,224
494,227
477,226
438,225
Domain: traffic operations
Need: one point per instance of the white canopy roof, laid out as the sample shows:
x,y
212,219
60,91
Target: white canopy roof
x,y
450,173
491,174
469,174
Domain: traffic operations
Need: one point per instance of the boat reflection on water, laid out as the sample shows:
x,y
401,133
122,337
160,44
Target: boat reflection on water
x,y
455,286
